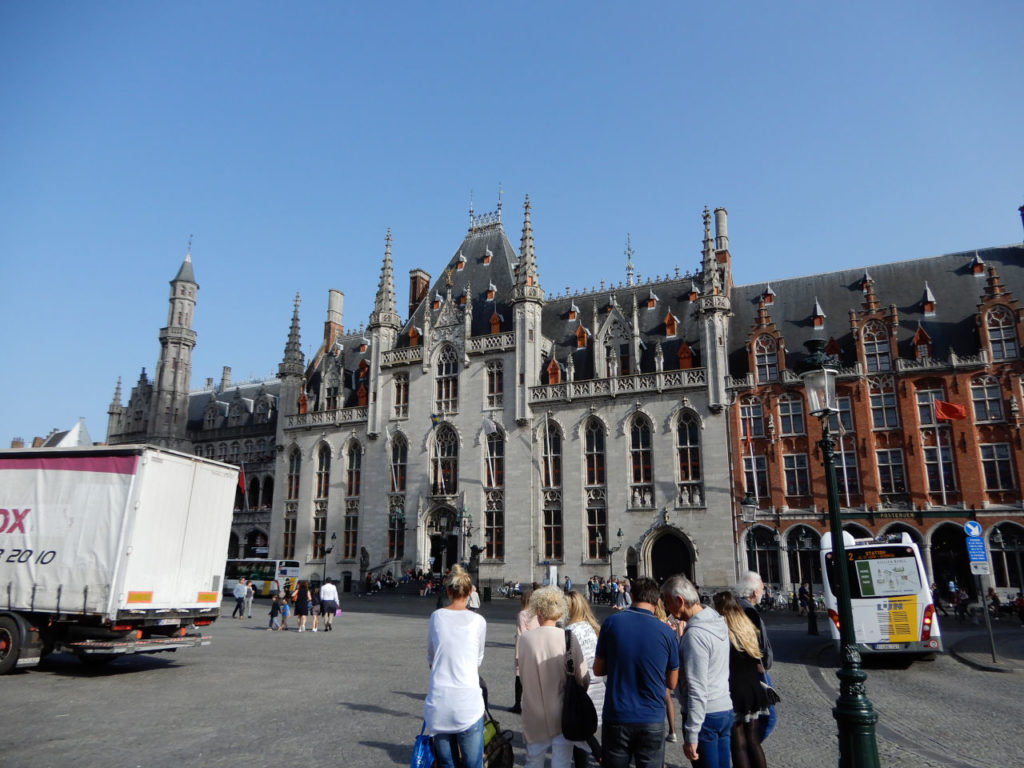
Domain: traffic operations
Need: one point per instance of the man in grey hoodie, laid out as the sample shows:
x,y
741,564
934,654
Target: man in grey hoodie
x,y
703,675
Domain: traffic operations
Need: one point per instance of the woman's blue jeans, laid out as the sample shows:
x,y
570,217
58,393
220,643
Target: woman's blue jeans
x,y
470,744
713,740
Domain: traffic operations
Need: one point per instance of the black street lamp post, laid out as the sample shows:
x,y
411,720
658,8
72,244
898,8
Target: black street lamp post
x,y
334,538
855,717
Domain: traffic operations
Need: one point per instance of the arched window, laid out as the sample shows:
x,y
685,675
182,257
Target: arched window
x,y
1007,544
445,463
641,489
804,545
763,553
399,461
236,452
766,359
353,469
552,481
294,468
876,348
495,383
494,517
323,472
446,398
596,493
882,396
691,492
222,451
1002,333
595,452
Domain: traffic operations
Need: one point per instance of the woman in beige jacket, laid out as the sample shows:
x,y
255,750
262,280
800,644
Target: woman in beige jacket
x,y
542,667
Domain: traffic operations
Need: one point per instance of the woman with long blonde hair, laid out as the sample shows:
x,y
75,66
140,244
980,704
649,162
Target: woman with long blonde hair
x,y
749,699
585,629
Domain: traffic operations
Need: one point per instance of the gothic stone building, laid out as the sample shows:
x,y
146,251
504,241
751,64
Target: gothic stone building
x,y
502,425
232,423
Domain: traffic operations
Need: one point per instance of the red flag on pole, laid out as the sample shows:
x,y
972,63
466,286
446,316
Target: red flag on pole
x,y
949,411
241,478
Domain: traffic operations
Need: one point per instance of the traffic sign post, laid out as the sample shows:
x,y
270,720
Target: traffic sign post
x,y
979,566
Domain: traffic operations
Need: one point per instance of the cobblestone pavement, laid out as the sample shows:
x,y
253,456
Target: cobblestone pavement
x,y
353,697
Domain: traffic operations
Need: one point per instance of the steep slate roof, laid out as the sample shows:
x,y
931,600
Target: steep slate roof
x,y
952,327
479,276
672,295
198,399
351,357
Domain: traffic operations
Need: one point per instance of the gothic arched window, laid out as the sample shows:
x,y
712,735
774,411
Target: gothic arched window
x,y
691,493
641,489
1002,333
445,464
876,348
446,398
766,359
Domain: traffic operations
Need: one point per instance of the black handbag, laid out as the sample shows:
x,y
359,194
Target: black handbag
x,y
579,717
497,744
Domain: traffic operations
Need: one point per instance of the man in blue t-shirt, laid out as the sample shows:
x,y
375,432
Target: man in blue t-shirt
x,y
640,656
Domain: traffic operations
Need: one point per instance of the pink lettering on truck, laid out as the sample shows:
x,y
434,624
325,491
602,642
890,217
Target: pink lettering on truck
x,y
13,520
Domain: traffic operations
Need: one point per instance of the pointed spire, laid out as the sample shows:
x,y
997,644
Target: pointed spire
x,y
185,273
711,279
629,261
384,305
527,287
117,394
293,362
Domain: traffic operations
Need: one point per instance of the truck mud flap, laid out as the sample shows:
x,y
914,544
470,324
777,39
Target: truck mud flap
x,y
126,647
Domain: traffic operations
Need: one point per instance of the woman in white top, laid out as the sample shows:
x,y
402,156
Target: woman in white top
x,y
454,709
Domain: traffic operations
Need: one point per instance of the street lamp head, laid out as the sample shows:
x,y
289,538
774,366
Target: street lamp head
x,y
818,374
619,534
748,508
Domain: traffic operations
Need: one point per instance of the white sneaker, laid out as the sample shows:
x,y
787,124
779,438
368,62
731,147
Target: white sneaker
x,y
314,629
302,629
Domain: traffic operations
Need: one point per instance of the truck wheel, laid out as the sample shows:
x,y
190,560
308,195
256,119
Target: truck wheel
x,y
10,644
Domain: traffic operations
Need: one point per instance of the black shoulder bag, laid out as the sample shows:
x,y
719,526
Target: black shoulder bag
x,y
579,718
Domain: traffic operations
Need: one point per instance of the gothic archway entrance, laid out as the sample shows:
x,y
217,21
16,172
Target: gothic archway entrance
x,y
949,558
671,554
443,540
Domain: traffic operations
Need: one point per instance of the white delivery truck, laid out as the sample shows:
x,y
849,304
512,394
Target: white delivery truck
x,y
109,551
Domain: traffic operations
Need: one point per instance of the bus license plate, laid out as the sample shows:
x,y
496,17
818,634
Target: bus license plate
x,y
168,622
887,646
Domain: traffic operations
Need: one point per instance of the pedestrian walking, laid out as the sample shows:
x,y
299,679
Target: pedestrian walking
x,y
704,677
749,590
329,604
275,614
749,699
937,599
314,607
286,610
250,593
239,595
301,602
640,657
454,708
542,666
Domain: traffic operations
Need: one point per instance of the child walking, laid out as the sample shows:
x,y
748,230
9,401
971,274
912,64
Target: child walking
x,y
275,611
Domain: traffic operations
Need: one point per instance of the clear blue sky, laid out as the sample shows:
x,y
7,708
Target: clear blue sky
x,y
287,137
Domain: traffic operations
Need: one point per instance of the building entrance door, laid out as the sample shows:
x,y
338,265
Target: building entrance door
x,y
949,558
671,554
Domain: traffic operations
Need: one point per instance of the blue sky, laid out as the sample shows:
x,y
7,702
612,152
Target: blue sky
x,y
287,138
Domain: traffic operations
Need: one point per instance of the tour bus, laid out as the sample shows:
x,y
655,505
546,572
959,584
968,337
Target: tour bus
x,y
268,577
889,593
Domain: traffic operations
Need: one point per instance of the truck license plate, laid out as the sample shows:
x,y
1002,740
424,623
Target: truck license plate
x,y
168,622
887,646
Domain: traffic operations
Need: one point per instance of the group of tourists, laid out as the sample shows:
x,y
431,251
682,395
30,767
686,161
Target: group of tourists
x,y
713,658
614,592
308,605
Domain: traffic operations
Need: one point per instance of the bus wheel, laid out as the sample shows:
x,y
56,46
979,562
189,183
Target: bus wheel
x,y
10,644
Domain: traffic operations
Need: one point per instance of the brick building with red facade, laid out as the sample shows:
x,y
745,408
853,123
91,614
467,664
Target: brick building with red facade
x,y
904,336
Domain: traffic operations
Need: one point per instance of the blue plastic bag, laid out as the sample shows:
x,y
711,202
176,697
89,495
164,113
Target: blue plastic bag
x,y
422,750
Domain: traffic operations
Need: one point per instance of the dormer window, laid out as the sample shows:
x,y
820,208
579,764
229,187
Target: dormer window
x,y
818,314
922,345
461,263
670,324
928,301
488,256
554,372
652,300
574,311
768,295
694,293
363,344
866,282
495,323
684,356
437,301
581,337
832,349
414,336
490,291
462,300
977,265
